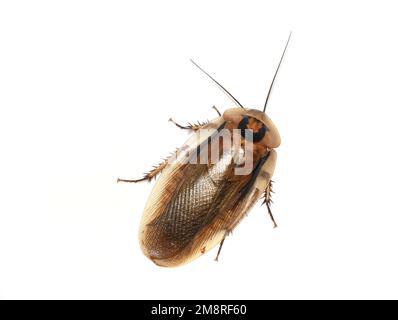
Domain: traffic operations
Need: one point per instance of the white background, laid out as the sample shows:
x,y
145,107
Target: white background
x,y
86,89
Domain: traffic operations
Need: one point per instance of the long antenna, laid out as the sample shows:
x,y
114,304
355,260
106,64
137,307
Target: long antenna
x,y
277,69
219,85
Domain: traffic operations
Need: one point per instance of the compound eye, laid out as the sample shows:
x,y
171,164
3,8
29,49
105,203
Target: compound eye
x,y
258,128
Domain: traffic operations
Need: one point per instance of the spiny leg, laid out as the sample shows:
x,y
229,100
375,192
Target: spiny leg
x,y
148,176
179,125
219,249
268,201
193,127
151,174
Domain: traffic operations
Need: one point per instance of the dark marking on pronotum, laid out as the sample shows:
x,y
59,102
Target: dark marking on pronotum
x,y
257,136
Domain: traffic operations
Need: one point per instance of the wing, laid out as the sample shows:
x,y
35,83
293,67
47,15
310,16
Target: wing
x,y
193,206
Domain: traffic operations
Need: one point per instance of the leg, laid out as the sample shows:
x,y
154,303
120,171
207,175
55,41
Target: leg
x,y
148,176
193,127
215,108
268,201
219,249
151,174
264,182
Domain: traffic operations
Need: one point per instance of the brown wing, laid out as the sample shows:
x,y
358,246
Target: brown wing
x,y
193,208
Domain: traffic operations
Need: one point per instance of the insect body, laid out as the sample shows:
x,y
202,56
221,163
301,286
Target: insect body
x,y
197,202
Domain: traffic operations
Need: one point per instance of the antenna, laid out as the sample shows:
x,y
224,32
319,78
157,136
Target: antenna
x,y
276,72
219,85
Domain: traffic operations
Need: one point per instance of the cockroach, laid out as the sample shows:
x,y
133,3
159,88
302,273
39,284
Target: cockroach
x,y
198,201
